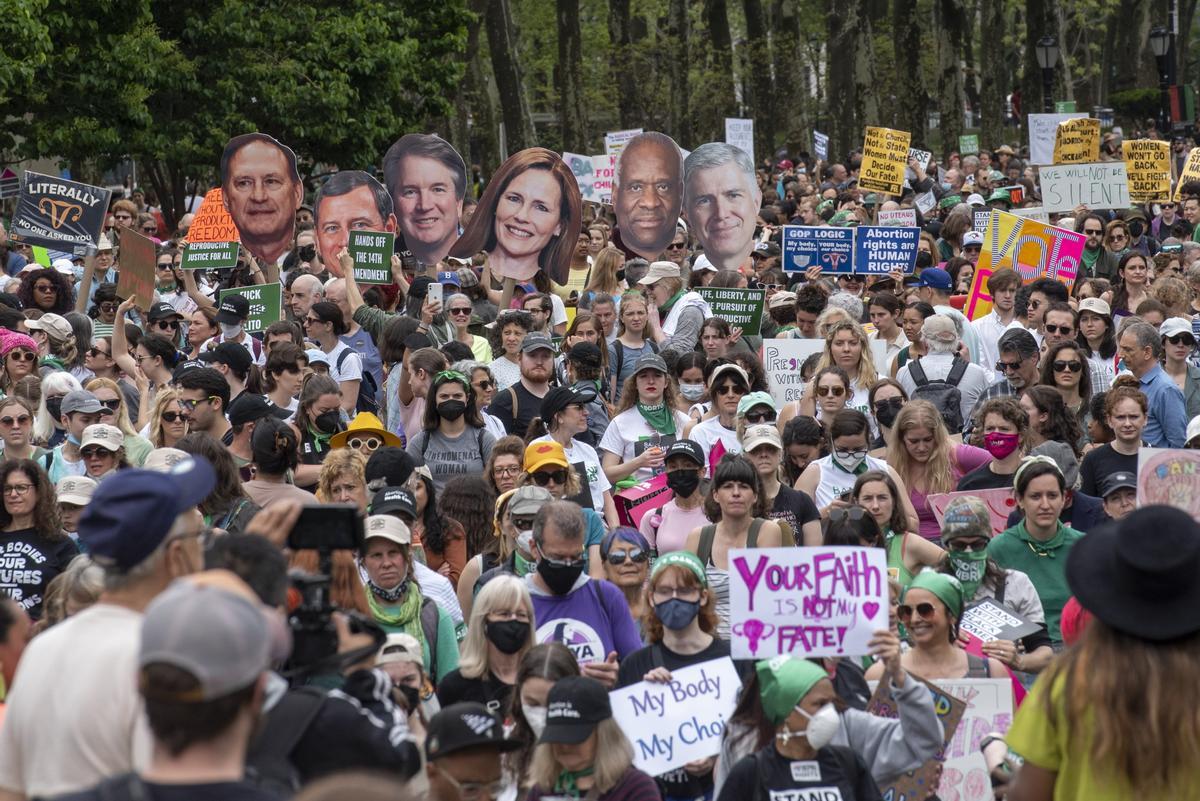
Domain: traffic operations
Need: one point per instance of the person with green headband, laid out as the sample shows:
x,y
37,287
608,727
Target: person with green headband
x,y
634,446
453,440
801,761
966,534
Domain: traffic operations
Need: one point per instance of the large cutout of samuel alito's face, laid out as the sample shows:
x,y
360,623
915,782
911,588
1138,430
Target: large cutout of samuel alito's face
x,y
261,190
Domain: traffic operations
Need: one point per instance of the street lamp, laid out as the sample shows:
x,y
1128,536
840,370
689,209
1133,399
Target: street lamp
x,y
1047,56
1160,45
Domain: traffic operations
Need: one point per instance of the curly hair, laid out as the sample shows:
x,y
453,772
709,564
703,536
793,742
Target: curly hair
x,y
505,446
45,511
339,462
64,295
1061,425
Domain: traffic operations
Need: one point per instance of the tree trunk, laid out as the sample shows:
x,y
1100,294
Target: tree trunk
x,y
620,35
1037,25
994,79
951,23
679,113
906,48
514,104
845,123
1187,13
723,97
572,110
758,84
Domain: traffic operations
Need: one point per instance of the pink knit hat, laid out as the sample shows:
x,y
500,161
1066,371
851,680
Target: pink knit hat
x,y
11,340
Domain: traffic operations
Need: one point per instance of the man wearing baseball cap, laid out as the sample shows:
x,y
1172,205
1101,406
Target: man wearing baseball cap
x,y
233,362
463,750
232,314
1119,492
78,410
73,721
516,407
246,410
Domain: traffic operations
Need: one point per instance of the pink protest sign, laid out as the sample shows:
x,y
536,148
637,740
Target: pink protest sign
x,y
999,503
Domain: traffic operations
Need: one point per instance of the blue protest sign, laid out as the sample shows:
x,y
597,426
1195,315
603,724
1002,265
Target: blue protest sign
x,y
821,145
879,249
832,249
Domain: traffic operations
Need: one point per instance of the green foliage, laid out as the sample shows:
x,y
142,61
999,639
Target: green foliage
x,y
26,46
1135,104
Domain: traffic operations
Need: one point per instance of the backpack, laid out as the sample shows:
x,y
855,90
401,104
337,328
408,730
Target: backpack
x,y
366,387
268,759
619,347
942,393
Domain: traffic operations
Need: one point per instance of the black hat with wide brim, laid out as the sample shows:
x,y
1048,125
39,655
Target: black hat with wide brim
x,y
1141,575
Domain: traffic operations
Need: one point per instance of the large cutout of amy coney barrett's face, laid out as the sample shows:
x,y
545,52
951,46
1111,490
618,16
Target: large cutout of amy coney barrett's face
x,y
427,180
351,200
528,219
721,200
261,189
648,193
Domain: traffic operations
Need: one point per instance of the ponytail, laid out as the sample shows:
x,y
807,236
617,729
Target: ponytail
x,y
537,428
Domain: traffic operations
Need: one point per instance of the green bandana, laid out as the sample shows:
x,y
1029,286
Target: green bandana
x,y
947,588
969,567
659,417
671,301
782,682
568,781
320,438
55,362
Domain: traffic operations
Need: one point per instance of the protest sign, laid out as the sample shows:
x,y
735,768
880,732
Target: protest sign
x,y
923,157
989,709
680,721
885,155
1034,250
1104,185
634,502
1035,213
1077,141
581,168
742,308
1190,172
209,255
925,202
740,134
979,218
614,141
782,359
603,169
917,785
136,278
821,145
59,214
1148,163
989,620
1042,130
1016,194
806,601
804,246
999,503
266,304
905,217
421,173
212,240
1064,106
10,183
968,144
1169,476
372,254
879,249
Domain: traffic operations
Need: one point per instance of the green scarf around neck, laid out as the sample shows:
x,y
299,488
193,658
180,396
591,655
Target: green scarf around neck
x,y
660,417
405,616
568,781
666,307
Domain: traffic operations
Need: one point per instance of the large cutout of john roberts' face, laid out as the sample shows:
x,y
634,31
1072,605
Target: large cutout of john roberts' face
x,y
648,193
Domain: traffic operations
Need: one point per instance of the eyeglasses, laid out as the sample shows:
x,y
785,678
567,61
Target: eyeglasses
x,y
542,478
172,417
506,471
1062,365
367,443
95,453
312,321
108,308
522,523
1118,237
17,489
44,288
1167,206
22,356
190,405
1059,329
1006,366
207,537
508,614
635,555
1182,339
19,420
854,513
760,417
661,595
730,389
576,562
150,229
484,385
457,312
836,392
925,611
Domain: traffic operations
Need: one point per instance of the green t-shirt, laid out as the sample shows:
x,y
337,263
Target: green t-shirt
x,y
1044,562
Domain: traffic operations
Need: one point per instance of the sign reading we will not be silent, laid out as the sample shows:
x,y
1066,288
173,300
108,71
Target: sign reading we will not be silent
x,y
1104,185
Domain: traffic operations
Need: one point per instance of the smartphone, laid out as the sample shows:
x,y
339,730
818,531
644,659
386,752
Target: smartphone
x,y
435,293
333,526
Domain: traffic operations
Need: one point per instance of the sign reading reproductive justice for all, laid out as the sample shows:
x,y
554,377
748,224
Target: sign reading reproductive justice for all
x,y
806,601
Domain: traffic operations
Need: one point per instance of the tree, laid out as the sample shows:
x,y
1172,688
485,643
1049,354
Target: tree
x,y
906,44
679,117
514,102
26,48
572,109
950,20
994,79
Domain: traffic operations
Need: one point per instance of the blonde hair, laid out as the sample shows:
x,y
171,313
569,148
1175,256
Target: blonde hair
x,y
122,416
501,593
338,462
637,296
80,584
165,397
831,316
867,375
921,414
604,269
614,757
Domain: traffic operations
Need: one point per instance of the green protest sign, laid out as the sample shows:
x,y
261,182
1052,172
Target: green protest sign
x,y
968,144
372,254
266,302
740,307
1064,106
209,255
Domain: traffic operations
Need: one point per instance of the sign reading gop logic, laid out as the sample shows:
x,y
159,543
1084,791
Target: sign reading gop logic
x,y
261,189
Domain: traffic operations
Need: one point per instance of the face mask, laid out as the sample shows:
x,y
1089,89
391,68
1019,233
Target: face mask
x,y
329,422
945,185
412,696
683,482
390,596
508,635
850,460
535,716
1136,228
968,569
886,411
999,444
54,407
451,410
677,613
74,440
924,260
307,253
525,542
559,578
821,728
620,275
230,331
692,392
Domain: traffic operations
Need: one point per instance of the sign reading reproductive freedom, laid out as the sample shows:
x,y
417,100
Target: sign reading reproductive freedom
x,y
212,240
806,601
1077,141
59,214
831,249
1104,185
372,254
885,155
1042,130
739,307
879,249
681,721
1148,163
1035,250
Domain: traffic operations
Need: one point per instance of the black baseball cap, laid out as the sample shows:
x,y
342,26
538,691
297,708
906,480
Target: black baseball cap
x,y
685,447
536,340
162,311
559,398
248,408
230,354
574,706
390,466
1122,479
584,353
186,367
234,309
391,500
459,727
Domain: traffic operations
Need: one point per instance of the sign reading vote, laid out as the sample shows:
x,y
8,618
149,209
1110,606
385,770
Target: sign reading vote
x,y
372,254
831,249
671,724
59,214
806,601
880,249
1104,185
266,301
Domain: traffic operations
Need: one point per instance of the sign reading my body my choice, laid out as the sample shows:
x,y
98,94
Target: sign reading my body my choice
x,y
831,249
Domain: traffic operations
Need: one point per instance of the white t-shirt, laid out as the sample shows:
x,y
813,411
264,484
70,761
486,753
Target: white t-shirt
x,y
351,369
708,433
628,435
835,481
558,311
582,453
74,714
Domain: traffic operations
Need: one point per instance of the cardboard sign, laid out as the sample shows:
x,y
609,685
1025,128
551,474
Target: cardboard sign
x,y
979,218
10,183
902,217
266,304
614,141
739,307
603,170
923,157
1169,476
372,254
999,502
581,168
1035,213
989,621
634,502
783,358
1191,172
879,249
821,145
1042,130
1033,249
740,134
681,721
968,144
1077,141
989,708
1148,163
60,214
136,278
212,240
806,601
917,785
885,155
807,245
1104,185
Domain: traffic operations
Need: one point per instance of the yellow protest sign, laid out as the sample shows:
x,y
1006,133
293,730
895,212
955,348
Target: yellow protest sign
x,y
1148,164
885,155
1191,172
1077,141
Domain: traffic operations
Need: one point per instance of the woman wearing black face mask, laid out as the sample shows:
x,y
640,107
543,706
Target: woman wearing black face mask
x,y
499,634
886,399
667,527
318,418
454,440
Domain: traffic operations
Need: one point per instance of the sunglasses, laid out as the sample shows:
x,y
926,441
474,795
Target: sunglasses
x,y
45,288
760,417
676,246
171,324
730,389
836,392
1062,365
94,453
108,308
19,420
457,312
635,555
925,611
968,546
854,513
1182,339
94,351
1092,232
172,417
542,478
1003,366
150,229
111,405
370,443
22,356
485,384
1058,329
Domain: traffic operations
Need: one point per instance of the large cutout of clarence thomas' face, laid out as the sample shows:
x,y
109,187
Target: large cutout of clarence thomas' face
x,y
261,189
351,200
648,193
427,180
721,200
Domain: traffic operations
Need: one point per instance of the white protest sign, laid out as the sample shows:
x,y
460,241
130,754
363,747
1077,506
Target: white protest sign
x,y
581,168
782,359
925,202
681,721
923,157
614,141
603,170
806,601
821,145
989,709
740,134
1103,185
1035,213
902,217
1042,128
